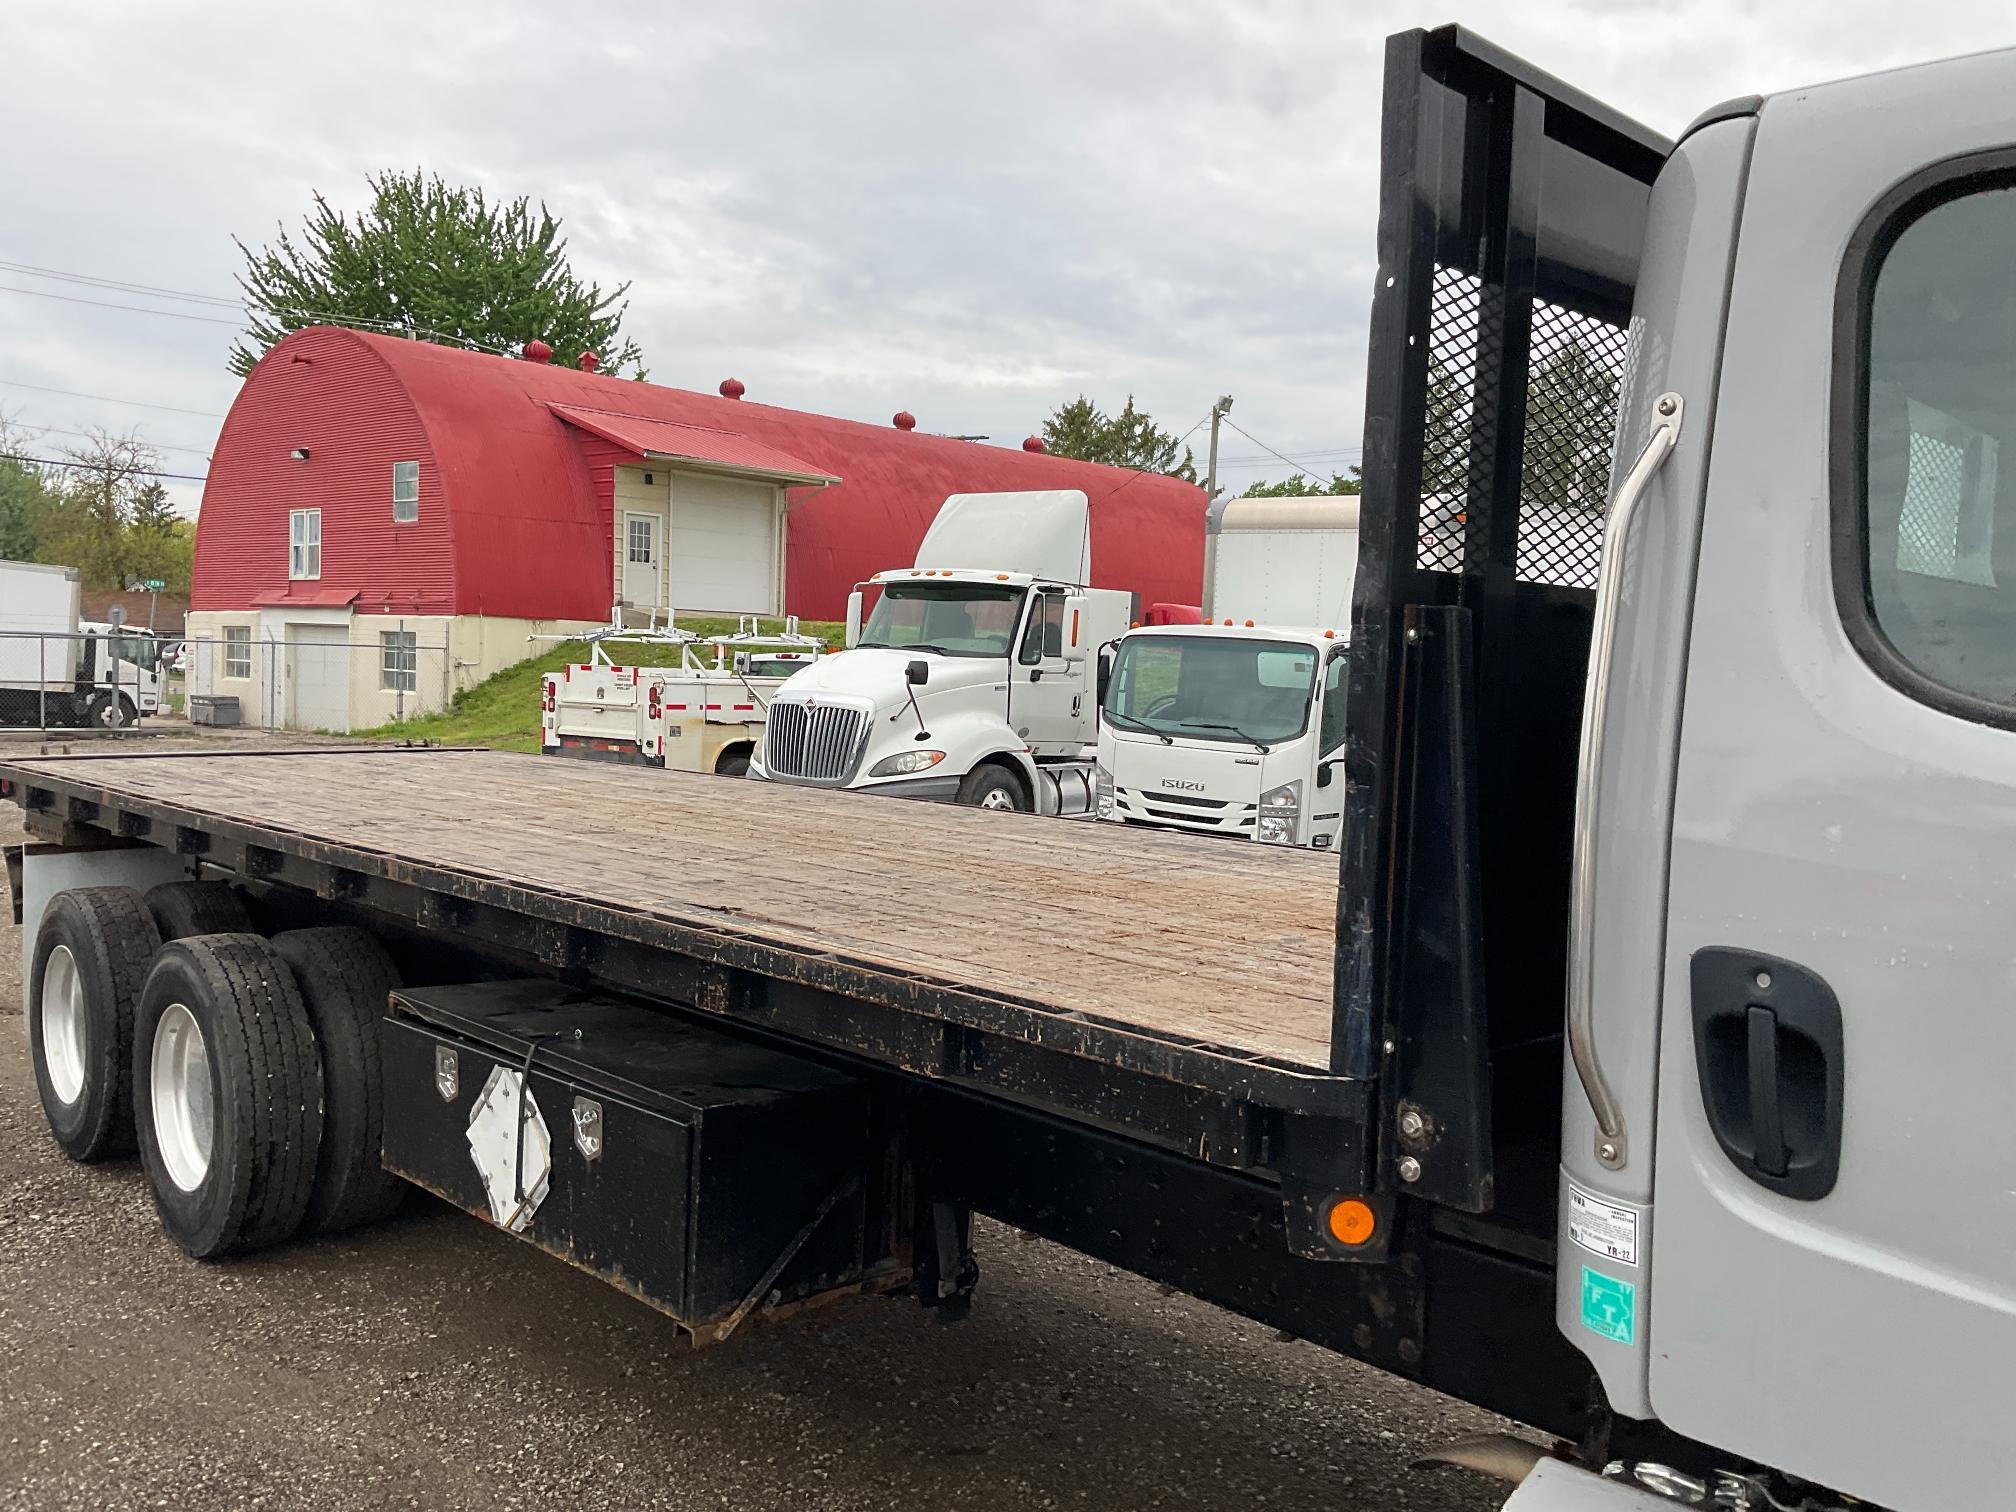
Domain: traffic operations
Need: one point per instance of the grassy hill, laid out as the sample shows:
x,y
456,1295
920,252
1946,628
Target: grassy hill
x,y
503,711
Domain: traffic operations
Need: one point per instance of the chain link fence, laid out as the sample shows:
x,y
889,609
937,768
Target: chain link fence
x,y
315,682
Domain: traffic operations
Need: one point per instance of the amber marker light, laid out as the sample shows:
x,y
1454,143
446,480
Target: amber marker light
x,y
1352,1221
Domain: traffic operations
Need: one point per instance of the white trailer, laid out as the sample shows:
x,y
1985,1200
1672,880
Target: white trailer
x,y
974,679
696,716
1236,726
58,669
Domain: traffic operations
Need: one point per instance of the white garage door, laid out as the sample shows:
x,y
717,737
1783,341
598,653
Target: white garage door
x,y
721,552
318,677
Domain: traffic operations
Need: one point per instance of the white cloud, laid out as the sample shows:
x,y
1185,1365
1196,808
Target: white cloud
x,y
968,212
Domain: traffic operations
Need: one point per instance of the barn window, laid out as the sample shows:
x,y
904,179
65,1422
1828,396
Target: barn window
x,y
640,540
405,492
398,660
237,650
304,556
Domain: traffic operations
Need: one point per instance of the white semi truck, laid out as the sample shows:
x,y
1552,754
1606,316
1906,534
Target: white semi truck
x,y
59,669
1236,726
974,677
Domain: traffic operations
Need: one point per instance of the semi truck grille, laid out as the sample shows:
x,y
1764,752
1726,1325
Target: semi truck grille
x,y
814,744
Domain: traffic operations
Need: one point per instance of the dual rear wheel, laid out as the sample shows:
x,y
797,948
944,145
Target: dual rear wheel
x,y
245,1070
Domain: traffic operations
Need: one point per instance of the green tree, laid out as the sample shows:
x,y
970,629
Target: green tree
x,y
23,496
433,261
1301,486
1129,439
86,520
1571,411
159,542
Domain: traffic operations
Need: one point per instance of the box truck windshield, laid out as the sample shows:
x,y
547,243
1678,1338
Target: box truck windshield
x,y
954,619
1212,688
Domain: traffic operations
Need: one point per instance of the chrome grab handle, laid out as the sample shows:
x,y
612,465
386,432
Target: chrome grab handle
x,y
1611,1145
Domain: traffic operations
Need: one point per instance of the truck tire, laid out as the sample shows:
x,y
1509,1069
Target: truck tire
x,y
90,959
993,787
182,909
110,711
227,1094
733,764
345,977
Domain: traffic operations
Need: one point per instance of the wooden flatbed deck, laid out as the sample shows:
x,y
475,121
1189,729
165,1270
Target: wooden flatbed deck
x,y
1214,944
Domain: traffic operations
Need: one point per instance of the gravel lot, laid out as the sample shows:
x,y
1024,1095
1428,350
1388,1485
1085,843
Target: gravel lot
x,y
433,1362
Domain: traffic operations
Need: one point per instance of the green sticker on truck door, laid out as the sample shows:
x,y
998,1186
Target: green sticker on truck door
x,y
1609,1306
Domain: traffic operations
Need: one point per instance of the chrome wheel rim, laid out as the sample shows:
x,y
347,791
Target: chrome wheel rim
x,y
997,798
185,1107
63,1025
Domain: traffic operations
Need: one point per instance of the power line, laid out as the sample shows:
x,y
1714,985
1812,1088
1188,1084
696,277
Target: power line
x,y
108,399
1299,467
104,305
143,472
200,451
120,285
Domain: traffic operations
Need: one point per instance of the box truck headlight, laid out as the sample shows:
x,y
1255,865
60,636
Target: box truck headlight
x,y
1280,813
905,761
1102,793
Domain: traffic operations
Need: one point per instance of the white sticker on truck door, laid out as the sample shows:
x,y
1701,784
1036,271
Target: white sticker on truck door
x,y
1602,1228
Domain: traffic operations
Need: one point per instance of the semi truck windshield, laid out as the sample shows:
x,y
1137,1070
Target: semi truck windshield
x,y
955,619
1212,687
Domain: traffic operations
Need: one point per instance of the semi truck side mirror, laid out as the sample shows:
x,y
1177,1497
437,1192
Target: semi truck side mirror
x,y
917,673
853,616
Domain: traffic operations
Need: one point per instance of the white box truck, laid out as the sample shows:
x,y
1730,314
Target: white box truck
x,y
974,677
1236,726
56,668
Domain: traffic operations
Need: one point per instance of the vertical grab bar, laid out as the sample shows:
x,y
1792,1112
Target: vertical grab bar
x,y
1612,1147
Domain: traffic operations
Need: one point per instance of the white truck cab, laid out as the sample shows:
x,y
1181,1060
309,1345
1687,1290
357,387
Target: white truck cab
x,y
1236,726
974,677
1227,730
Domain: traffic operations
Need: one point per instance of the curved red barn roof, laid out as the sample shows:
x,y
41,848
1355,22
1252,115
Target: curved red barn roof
x,y
511,522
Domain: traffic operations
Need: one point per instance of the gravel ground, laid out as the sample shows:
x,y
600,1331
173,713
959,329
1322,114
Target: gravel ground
x,y
433,1362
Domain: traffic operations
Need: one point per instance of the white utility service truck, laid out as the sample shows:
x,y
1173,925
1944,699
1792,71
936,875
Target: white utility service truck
x,y
975,676
1236,726
59,669
692,717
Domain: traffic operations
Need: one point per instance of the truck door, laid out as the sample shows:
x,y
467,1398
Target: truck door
x,y
1326,787
1048,702
1833,1273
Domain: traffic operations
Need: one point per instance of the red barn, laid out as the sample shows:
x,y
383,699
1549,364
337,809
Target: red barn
x,y
388,520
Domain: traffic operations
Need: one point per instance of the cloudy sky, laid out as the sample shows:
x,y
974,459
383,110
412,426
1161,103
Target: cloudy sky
x,y
855,206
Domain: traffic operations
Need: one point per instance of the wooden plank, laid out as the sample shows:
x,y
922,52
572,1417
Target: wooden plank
x,y
1225,942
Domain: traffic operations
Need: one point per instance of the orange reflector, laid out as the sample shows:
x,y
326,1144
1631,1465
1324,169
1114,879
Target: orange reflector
x,y
1000,577
1329,635
1352,1221
1249,624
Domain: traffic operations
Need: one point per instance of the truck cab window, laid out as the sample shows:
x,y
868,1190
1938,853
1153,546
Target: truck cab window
x,y
1331,732
1938,543
955,619
1044,636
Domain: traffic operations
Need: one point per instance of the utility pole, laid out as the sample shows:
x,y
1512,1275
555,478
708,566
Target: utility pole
x,y
1218,412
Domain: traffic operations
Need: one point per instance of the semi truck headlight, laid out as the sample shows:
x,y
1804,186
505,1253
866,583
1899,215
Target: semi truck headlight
x,y
1102,793
905,761
1280,813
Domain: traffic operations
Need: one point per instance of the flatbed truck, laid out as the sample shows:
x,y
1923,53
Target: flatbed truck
x,y
1633,1068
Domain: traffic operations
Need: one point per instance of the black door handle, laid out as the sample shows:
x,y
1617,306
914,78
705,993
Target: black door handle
x,y
1767,1045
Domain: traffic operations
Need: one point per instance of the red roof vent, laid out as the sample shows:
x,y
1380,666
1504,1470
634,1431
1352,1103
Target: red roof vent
x,y
1033,444
731,388
589,362
904,421
537,351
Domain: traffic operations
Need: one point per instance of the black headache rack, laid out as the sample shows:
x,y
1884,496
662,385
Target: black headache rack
x,y
1511,219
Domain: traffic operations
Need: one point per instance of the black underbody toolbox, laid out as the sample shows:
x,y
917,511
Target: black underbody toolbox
x,y
704,1175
